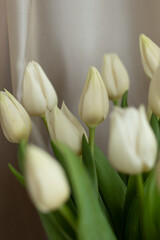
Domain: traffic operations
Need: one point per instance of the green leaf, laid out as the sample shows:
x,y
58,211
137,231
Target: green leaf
x,y
124,101
52,227
152,206
17,175
132,230
112,189
91,168
130,197
92,223
151,213
89,162
155,126
63,226
124,177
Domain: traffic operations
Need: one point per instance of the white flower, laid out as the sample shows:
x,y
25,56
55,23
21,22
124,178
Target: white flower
x,y
154,93
38,92
93,105
150,55
132,143
15,121
64,127
45,179
115,76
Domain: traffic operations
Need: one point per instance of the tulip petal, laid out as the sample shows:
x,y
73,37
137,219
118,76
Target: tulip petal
x,y
46,86
33,98
93,105
45,179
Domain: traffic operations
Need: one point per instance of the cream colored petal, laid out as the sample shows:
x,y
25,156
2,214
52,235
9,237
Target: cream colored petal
x,y
114,76
132,144
65,131
46,180
150,55
33,98
93,106
121,149
22,111
146,142
47,88
154,93
73,119
50,123
12,123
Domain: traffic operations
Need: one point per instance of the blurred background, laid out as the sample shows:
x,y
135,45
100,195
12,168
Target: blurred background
x,y
66,38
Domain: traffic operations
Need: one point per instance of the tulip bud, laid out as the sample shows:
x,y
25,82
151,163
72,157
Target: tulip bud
x,y
38,92
65,128
150,55
115,76
154,93
93,105
132,143
45,179
15,121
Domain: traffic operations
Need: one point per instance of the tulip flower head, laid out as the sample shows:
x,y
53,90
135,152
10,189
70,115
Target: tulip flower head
x,y
93,104
115,76
38,92
154,93
65,128
15,121
132,143
150,55
45,179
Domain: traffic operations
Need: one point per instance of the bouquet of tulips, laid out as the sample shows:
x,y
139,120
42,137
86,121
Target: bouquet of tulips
x,y
78,192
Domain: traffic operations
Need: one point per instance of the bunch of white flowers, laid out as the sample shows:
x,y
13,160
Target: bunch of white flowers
x,y
78,193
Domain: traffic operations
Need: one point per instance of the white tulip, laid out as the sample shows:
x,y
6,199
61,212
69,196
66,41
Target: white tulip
x,y
45,180
94,104
115,76
132,143
15,121
65,128
38,92
150,55
154,93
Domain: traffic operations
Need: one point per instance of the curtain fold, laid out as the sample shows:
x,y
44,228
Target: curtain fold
x,y
19,19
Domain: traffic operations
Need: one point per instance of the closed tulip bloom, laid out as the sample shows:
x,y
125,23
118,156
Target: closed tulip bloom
x,y
45,179
15,121
65,128
38,92
150,55
132,143
115,76
93,104
154,93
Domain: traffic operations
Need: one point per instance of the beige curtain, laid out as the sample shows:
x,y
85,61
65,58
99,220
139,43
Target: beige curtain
x,y
65,37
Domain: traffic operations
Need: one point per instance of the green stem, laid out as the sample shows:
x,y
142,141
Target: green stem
x,y
92,139
21,155
140,193
68,215
116,102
